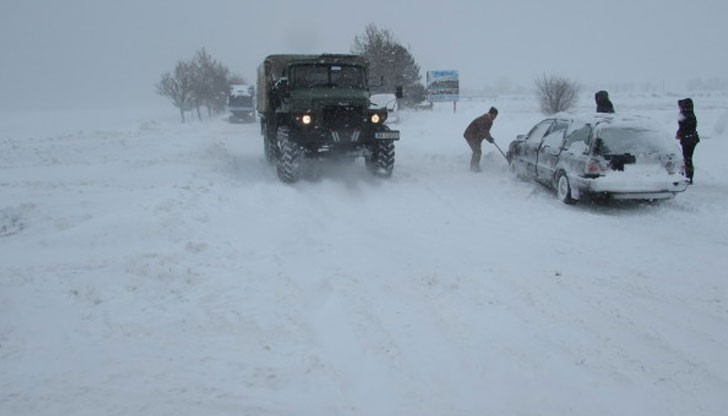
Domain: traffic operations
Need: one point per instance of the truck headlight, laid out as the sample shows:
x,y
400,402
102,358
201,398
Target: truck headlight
x,y
378,117
305,119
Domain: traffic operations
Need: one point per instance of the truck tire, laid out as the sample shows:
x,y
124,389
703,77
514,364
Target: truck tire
x,y
269,145
381,160
289,166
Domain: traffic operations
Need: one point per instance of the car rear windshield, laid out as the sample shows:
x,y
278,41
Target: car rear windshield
x,y
633,140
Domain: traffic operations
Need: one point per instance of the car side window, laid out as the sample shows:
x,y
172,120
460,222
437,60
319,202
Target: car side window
x,y
560,125
578,138
556,134
538,131
554,138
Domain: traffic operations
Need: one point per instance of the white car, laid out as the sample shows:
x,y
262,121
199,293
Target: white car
x,y
605,156
388,101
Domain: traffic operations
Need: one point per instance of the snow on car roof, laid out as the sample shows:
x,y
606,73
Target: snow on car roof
x,y
614,120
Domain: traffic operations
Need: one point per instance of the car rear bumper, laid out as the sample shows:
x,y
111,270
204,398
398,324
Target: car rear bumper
x,y
661,187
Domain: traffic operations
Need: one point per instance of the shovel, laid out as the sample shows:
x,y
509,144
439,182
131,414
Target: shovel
x,y
501,152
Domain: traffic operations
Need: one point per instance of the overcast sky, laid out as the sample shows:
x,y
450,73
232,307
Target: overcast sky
x,y
86,53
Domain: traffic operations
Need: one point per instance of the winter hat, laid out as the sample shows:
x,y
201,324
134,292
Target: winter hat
x,y
493,110
686,104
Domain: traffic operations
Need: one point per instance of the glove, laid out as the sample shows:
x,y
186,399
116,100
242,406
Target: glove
x,y
490,140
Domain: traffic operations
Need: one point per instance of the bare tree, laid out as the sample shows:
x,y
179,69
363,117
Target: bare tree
x,y
220,82
237,79
212,83
388,58
179,86
201,81
556,94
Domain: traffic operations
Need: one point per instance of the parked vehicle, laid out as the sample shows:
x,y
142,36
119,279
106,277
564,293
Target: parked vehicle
x,y
424,106
240,103
603,156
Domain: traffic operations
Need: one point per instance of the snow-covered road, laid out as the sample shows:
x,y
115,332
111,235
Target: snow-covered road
x,y
155,268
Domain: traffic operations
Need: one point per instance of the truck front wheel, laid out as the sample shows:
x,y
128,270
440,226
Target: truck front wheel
x,y
381,159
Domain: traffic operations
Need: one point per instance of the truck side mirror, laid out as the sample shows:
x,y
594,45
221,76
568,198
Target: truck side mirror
x,y
281,88
398,92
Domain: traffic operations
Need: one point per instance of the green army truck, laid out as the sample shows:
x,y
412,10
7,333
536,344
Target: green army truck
x,y
317,106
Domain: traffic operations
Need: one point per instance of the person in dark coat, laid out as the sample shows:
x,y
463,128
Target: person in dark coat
x,y
477,131
687,133
604,105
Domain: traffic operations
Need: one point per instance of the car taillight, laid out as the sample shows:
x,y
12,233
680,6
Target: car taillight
x,y
592,167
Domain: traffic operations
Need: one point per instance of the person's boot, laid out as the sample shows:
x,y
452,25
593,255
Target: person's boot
x,y
475,163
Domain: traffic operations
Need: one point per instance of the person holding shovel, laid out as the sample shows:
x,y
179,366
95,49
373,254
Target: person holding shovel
x,y
477,131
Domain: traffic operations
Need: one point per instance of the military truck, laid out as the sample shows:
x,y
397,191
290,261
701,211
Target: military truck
x,y
317,106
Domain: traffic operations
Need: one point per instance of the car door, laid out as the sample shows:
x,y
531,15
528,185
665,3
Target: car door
x,y
577,143
550,150
529,153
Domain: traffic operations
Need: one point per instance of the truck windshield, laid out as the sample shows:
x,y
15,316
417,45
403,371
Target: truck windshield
x,y
306,76
240,101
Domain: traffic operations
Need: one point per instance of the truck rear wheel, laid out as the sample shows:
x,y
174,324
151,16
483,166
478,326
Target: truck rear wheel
x,y
289,166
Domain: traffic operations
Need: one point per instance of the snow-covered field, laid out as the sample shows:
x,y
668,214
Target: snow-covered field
x,y
153,268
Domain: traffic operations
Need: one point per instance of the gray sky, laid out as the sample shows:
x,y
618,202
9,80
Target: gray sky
x,y
104,53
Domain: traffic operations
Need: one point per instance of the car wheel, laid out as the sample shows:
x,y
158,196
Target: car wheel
x,y
563,189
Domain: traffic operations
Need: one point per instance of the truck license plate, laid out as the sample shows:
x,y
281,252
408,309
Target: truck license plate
x,y
387,135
